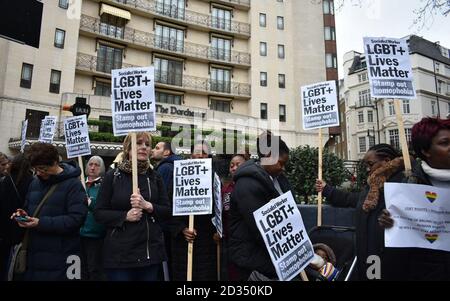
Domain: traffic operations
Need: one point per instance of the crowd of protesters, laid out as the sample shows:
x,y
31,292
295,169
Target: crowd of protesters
x,y
121,235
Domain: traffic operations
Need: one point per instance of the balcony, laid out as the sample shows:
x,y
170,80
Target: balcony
x,y
173,13
87,64
241,4
148,40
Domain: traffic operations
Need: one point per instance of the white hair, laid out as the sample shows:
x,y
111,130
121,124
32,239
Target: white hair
x,y
99,161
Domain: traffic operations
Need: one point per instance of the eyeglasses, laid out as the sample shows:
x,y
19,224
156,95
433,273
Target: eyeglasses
x,y
42,169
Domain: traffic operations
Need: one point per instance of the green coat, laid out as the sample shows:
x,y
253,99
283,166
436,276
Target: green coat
x,y
91,228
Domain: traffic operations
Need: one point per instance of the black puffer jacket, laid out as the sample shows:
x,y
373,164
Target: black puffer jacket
x,y
138,244
416,264
253,189
57,235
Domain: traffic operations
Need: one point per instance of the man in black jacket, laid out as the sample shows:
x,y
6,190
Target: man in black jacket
x,y
257,183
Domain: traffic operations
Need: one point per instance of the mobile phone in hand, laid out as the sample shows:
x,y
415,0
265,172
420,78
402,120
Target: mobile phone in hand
x,y
22,218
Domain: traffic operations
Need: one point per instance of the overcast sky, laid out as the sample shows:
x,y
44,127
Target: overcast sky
x,y
388,18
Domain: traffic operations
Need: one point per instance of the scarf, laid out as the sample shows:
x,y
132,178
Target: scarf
x,y
377,179
442,175
125,166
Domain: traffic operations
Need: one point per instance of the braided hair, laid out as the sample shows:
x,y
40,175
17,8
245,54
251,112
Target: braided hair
x,y
385,151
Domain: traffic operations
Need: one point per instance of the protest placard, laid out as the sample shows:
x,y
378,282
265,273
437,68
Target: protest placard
x,y
192,187
319,105
285,236
421,216
133,100
217,219
47,131
23,135
389,68
77,136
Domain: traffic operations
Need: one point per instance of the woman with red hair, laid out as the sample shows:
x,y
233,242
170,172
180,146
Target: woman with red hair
x,y
431,143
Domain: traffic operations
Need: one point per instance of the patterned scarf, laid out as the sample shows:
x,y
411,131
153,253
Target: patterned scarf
x,y
377,179
125,166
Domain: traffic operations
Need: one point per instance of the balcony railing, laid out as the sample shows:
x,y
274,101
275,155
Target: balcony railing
x,y
188,16
245,3
89,63
146,39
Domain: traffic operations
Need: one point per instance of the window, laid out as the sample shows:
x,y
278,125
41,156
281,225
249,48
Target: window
x,y
59,38
331,60
328,7
112,26
281,81
330,33
171,8
448,107
394,139
263,79
440,87
109,58
433,108
370,116
26,76
361,117
221,49
168,71
220,105
406,107
221,80
437,67
372,140
55,80
280,23
263,48
282,113
391,109
362,77
262,20
64,4
221,18
281,53
362,145
364,98
102,88
169,38
264,111
408,135
163,97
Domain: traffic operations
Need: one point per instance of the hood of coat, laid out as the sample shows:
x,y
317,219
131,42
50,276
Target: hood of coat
x,y
70,170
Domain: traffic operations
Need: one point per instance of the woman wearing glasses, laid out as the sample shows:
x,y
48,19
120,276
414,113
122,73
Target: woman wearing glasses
x,y
54,233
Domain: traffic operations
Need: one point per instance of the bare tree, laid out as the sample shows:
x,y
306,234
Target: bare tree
x,y
424,14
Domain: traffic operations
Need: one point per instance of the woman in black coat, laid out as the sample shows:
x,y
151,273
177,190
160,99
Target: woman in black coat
x,y
430,139
133,249
384,164
13,190
204,267
54,235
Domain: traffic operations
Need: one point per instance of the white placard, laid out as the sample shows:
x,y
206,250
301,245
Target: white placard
x,y
281,226
389,68
133,100
319,106
77,136
192,187
421,216
47,132
24,135
217,219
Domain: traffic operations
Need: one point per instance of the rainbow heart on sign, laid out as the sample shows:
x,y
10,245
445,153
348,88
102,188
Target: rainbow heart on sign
x,y
432,237
431,196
